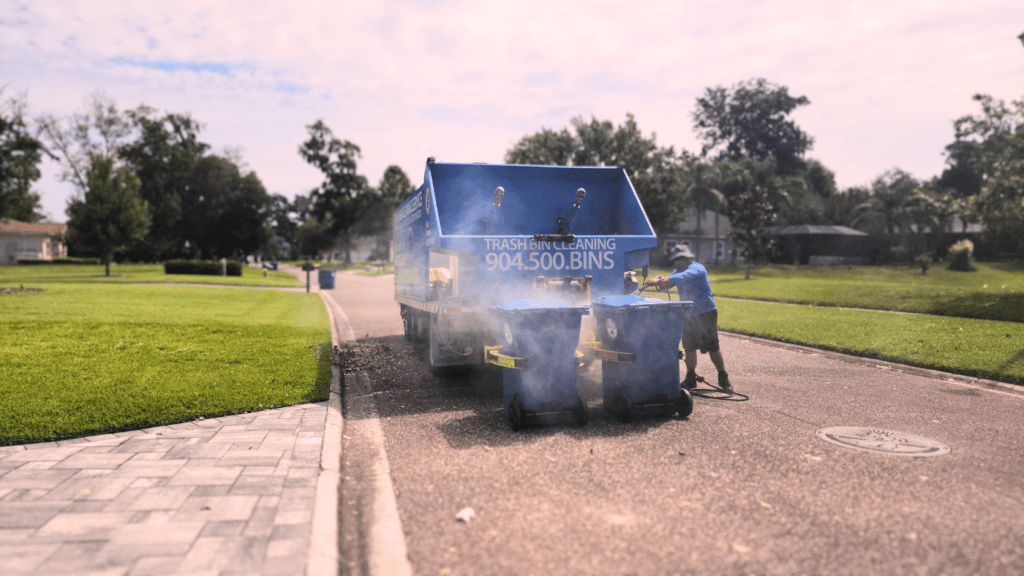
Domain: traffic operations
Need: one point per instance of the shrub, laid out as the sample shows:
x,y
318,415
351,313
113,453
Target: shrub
x,y
58,260
204,267
923,261
960,255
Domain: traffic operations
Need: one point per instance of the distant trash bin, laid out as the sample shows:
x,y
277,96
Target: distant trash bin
x,y
640,355
326,279
545,333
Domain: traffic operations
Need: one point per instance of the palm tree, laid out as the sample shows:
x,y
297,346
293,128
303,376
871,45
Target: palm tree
x,y
892,202
755,193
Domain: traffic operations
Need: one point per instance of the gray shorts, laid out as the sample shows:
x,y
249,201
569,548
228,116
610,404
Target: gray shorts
x,y
700,332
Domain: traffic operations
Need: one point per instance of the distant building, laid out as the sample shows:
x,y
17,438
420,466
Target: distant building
x,y
24,240
708,238
825,245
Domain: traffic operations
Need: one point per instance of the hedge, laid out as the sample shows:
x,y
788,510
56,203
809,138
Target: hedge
x,y
58,260
205,267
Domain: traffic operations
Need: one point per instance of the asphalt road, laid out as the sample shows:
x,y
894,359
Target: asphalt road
x,y
737,488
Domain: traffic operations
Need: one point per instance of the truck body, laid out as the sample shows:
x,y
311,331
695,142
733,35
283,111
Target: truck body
x,y
474,236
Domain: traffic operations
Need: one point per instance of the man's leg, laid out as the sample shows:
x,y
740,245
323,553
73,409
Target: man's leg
x,y
719,362
690,360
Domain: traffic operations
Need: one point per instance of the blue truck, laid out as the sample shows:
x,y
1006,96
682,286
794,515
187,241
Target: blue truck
x,y
475,237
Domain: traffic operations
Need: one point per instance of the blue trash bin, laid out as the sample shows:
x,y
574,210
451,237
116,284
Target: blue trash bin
x,y
644,379
326,278
546,334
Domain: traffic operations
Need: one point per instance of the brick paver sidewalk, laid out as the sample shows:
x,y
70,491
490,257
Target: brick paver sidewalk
x,y
232,495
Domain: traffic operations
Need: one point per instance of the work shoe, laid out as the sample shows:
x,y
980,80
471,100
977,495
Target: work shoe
x,y
690,382
723,382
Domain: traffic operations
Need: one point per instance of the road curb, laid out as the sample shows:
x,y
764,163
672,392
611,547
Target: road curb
x,y
385,547
386,552
322,557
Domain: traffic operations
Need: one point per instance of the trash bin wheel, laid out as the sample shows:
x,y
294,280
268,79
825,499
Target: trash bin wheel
x,y
516,415
684,406
580,414
623,408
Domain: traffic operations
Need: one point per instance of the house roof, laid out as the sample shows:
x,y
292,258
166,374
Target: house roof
x,y
16,228
815,229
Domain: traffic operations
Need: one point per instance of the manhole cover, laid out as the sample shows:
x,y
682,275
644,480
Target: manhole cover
x,y
882,441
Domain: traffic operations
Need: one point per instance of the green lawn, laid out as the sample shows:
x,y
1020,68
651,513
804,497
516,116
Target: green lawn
x,y
135,274
993,292
968,323
981,348
92,357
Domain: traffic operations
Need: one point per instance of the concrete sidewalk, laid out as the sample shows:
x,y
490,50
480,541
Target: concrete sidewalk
x,y
247,494
231,495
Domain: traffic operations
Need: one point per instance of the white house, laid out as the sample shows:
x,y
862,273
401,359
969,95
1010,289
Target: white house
x,y
24,240
707,237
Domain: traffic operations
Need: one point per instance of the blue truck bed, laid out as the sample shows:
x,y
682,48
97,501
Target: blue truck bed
x,y
474,236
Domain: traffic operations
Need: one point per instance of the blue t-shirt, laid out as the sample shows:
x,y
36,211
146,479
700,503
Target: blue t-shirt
x,y
693,285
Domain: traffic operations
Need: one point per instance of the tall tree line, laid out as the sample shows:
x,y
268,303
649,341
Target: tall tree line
x,y
753,167
197,204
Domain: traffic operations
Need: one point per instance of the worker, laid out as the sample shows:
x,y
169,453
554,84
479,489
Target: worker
x,y
700,327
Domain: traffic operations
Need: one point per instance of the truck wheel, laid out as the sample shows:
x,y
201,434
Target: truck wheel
x,y
580,415
684,406
516,415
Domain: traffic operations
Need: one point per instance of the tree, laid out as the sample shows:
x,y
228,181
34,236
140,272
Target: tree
x,y
754,192
226,210
751,120
164,155
283,220
654,171
840,208
808,203
890,208
110,216
98,131
935,209
544,148
393,189
986,165
20,155
314,236
342,198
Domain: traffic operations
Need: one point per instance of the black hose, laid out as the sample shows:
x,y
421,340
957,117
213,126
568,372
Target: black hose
x,y
715,393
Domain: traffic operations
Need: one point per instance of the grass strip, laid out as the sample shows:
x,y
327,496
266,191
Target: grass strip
x,y
993,292
136,274
82,359
980,348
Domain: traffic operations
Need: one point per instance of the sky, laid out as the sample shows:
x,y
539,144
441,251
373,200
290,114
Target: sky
x,y
462,81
